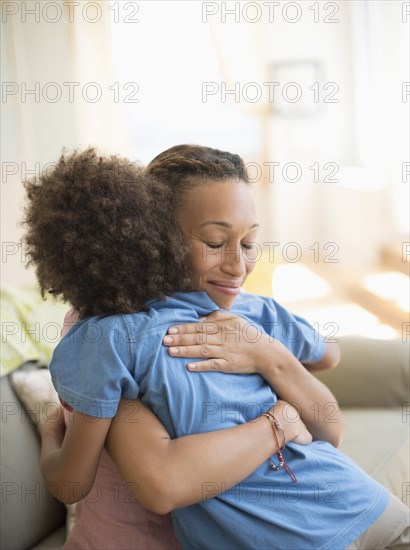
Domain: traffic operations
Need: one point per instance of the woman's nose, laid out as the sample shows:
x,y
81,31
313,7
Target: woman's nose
x,y
233,261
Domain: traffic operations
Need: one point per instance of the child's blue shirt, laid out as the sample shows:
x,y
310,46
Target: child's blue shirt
x,y
102,359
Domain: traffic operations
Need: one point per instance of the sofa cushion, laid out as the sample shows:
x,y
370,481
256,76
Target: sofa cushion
x,y
55,541
377,440
28,512
34,388
371,373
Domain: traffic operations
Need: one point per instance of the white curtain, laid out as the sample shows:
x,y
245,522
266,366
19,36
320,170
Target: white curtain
x,y
380,62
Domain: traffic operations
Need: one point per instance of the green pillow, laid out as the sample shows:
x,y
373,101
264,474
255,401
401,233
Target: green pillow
x,y
30,326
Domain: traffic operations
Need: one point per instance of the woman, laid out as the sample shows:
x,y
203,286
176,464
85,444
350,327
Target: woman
x,y
199,179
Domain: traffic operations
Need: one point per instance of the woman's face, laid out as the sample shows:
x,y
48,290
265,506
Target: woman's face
x,y
219,221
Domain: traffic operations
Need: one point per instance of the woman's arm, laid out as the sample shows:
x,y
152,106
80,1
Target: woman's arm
x,y
70,456
315,403
165,474
228,341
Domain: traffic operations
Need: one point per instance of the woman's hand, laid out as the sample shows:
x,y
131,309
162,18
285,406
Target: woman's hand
x,y
294,428
228,343
231,344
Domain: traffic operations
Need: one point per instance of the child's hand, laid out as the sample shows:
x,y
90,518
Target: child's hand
x,y
228,343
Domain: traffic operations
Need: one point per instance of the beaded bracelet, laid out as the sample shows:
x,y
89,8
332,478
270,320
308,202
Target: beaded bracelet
x,y
274,422
278,425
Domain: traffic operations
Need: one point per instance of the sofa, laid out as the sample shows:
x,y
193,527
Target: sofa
x,y
371,385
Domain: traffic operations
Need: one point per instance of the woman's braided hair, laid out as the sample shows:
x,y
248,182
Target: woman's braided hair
x,y
184,166
102,236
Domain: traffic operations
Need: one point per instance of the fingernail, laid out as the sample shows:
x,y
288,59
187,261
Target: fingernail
x,y
173,350
191,366
168,339
172,330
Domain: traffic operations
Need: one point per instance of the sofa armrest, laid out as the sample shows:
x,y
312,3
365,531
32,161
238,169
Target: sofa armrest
x,y
372,373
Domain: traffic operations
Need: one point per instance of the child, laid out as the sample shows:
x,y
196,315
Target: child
x,y
104,240
125,350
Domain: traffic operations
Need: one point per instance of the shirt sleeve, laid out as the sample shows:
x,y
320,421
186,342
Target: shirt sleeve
x,y
297,334
91,367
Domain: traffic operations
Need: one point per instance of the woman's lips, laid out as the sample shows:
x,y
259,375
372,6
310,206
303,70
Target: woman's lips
x,y
227,287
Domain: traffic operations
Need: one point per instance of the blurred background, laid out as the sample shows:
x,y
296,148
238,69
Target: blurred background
x,y
313,95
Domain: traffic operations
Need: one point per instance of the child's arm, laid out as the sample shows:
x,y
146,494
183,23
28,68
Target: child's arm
x,y
330,359
70,451
165,474
70,456
233,348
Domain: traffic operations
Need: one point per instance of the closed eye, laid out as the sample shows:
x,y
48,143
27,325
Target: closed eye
x,y
246,246
215,245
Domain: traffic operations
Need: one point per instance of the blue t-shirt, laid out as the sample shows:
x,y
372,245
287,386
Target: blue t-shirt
x,y
102,359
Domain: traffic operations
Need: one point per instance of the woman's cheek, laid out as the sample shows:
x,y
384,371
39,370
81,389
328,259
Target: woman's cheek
x,y
250,266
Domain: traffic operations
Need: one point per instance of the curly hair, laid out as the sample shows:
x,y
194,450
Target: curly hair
x,y
102,236
183,166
